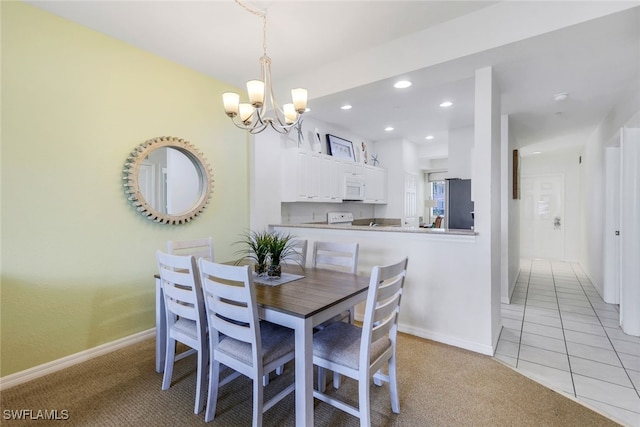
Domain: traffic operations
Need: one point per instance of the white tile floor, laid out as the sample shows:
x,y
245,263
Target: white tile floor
x,y
559,332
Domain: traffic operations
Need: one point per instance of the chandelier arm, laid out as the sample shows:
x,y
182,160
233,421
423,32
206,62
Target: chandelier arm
x,y
254,127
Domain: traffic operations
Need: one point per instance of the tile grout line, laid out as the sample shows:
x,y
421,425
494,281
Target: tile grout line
x,y
607,335
564,337
524,312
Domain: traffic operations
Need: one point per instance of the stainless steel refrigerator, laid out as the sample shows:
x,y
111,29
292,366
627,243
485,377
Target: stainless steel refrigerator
x,y
459,207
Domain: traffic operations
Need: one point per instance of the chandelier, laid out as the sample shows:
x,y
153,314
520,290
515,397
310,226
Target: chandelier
x,y
253,116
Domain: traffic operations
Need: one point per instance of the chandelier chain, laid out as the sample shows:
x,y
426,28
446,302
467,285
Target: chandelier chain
x,y
262,15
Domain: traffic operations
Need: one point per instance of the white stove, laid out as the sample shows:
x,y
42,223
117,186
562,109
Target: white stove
x,y
340,218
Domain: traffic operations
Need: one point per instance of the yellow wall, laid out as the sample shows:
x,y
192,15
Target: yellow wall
x,y
77,260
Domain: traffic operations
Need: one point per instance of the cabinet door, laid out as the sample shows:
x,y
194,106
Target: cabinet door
x,y
311,177
331,180
375,190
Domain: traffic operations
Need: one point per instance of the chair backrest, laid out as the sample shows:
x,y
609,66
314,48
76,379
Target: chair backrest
x,y
383,306
230,303
300,247
438,222
180,281
199,248
336,256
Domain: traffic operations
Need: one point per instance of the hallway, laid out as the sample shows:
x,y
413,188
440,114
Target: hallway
x,y
559,332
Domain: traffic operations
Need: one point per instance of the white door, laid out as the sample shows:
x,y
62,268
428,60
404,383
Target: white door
x,y
410,200
542,216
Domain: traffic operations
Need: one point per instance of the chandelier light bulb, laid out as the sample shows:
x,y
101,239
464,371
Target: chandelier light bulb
x,y
255,89
290,114
299,97
231,101
246,111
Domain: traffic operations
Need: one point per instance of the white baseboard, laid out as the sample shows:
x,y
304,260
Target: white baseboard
x,y
446,339
73,359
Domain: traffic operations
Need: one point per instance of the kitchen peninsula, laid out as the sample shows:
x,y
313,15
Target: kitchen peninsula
x,y
441,298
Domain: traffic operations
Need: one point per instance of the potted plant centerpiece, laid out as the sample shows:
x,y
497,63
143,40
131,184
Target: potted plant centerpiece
x,y
280,248
256,247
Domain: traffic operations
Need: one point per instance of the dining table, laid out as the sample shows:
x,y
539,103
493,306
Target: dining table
x,y
309,297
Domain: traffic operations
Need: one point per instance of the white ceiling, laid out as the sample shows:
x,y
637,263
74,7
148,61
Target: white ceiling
x,y
596,61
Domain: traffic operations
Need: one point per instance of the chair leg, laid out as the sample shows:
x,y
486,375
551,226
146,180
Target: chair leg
x,y
168,363
336,380
322,382
363,402
377,381
393,386
257,402
203,359
212,394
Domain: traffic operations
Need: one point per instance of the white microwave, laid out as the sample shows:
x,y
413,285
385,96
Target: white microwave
x,y
353,187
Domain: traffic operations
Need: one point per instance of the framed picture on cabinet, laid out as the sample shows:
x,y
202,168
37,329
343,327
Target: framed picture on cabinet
x,y
339,147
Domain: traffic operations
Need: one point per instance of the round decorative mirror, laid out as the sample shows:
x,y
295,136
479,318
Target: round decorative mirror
x,y
167,180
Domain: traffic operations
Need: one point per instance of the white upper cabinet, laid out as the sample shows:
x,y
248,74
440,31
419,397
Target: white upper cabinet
x,y
375,184
315,177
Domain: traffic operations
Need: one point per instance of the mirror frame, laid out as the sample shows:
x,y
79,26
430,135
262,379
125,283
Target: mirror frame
x,y
132,187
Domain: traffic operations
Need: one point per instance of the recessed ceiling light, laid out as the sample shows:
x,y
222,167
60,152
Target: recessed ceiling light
x,y
402,84
429,137
388,128
446,104
559,97
346,107
537,152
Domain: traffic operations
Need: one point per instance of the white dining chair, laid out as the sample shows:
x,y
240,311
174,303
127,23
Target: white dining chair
x,y
360,353
300,257
185,317
199,248
237,337
341,256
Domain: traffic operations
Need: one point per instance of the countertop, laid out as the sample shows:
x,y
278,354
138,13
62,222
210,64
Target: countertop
x,y
380,228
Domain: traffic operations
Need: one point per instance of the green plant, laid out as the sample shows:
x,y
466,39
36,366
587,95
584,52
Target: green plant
x,y
256,247
280,247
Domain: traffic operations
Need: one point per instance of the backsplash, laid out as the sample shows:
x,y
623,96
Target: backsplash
x,y
299,213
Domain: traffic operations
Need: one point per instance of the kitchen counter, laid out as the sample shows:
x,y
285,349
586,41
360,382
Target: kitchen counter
x,y
380,228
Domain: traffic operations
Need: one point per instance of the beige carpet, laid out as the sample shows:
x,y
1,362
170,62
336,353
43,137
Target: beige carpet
x,y
439,386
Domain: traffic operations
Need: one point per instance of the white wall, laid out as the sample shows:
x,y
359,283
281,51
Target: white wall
x,y
591,255
486,192
510,218
460,148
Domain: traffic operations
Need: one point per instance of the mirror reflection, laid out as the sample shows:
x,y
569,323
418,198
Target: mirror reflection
x,y
169,181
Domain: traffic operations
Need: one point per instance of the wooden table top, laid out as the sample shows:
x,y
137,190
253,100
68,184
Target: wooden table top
x,y
314,292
